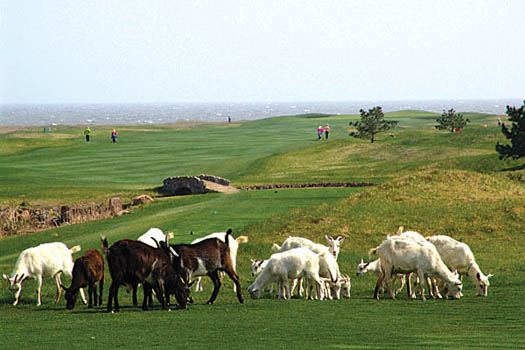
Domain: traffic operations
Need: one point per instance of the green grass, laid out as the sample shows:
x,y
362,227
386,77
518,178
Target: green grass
x,y
430,181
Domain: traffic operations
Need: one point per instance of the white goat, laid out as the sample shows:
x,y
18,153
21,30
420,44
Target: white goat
x,y
405,256
298,242
152,235
45,260
328,269
335,290
234,246
294,263
417,237
257,267
458,256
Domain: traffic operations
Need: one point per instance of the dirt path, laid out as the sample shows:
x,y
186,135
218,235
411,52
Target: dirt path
x,y
220,188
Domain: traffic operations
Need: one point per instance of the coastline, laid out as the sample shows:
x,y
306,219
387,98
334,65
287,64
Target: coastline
x,y
115,114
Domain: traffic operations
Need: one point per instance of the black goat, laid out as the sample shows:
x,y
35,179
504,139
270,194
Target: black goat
x,y
133,262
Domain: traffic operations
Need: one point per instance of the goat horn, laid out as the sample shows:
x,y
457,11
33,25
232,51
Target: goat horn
x,y
174,252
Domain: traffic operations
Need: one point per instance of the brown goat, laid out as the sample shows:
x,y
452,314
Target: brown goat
x,y
207,258
88,270
132,262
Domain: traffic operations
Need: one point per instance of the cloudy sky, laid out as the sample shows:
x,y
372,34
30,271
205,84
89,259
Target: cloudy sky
x,y
253,51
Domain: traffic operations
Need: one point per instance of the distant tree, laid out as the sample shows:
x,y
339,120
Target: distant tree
x,y
372,122
451,121
516,134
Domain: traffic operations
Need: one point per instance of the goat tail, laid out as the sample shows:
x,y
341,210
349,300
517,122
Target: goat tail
x,y
276,247
170,235
104,242
372,252
242,239
226,238
400,230
75,249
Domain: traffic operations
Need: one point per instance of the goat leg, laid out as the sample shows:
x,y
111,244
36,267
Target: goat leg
x,y
235,278
135,303
91,291
100,291
379,283
214,275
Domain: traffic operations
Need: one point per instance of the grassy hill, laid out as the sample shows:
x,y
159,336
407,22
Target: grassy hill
x,y
430,181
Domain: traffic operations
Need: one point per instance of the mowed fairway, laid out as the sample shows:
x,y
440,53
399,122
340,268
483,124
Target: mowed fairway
x,y
428,181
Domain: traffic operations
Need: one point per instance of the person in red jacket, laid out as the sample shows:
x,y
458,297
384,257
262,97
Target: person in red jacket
x,y
320,132
326,131
114,136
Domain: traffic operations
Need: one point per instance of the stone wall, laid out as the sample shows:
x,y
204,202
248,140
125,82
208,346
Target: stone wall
x,y
182,185
217,179
23,219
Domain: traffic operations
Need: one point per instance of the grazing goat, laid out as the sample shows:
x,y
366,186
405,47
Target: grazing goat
x,y
341,287
133,262
151,237
87,272
257,267
298,242
45,260
294,263
375,267
406,256
458,256
346,285
208,258
233,243
328,269
417,237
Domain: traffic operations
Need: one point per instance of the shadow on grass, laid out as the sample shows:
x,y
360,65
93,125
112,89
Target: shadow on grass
x,y
517,167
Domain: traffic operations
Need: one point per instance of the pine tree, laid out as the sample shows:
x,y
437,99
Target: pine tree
x,y
451,121
371,123
516,134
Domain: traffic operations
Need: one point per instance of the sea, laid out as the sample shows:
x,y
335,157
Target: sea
x,y
163,113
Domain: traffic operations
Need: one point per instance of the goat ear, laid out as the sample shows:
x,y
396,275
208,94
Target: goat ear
x,y
489,275
400,230
253,261
6,277
328,238
340,239
362,261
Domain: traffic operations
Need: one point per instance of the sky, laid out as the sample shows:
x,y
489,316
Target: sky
x,y
126,51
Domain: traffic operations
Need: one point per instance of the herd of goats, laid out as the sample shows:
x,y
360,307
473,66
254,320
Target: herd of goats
x,y
166,270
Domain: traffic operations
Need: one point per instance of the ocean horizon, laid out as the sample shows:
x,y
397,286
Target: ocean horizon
x,y
163,113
